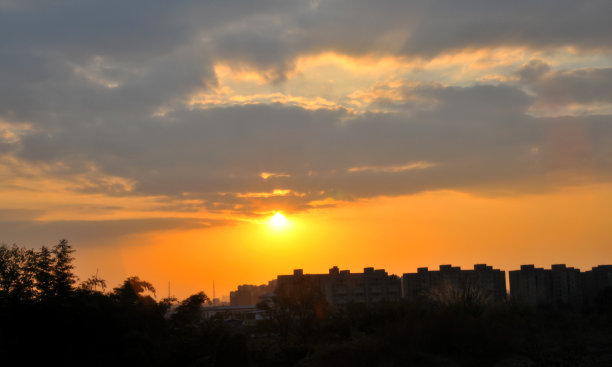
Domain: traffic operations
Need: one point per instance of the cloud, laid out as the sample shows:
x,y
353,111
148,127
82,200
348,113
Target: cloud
x,y
267,175
165,43
474,137
392,169
25,232
8,215
420,29
106,90
561,87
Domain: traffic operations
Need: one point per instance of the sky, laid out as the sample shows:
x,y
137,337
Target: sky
x,y
160,137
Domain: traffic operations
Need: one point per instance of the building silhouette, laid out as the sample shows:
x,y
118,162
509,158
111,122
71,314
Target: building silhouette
x,y
559,285
341,287
531,285
450,282
595,282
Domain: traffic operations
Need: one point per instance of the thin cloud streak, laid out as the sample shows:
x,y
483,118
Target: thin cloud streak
x,y
392,169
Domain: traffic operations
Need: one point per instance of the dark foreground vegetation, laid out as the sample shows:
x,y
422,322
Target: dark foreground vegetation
x,y
47,317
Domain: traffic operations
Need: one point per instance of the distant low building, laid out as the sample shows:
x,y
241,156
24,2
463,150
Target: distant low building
x,y
451,283
341,287
250,295
236,315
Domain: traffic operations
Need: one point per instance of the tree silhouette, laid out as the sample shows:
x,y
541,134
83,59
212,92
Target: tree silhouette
x,y
17,266
465,294
298,305
190,309
62,277
131,291
43,273
92,283
166,303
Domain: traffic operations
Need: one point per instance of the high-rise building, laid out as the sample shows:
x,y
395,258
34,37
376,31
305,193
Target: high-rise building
x,y
450,283
341,287
555,286
595,281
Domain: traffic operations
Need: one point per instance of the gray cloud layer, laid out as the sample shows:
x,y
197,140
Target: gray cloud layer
x,y
476,136
564,87
89,77
101,232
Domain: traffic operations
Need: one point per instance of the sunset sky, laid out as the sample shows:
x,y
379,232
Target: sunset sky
x,y
160,137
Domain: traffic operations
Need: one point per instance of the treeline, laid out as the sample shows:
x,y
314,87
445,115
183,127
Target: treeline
x,y
31,275
48,317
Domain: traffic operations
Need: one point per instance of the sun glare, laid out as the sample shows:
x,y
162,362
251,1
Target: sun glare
x,y
278,221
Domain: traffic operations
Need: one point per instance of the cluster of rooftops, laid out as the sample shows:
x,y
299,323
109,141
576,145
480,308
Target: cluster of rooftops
x,y
537,286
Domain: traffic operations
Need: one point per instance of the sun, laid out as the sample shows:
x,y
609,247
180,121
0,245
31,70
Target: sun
x,y
278,220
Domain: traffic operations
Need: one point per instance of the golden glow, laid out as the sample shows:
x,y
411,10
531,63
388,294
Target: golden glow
x,y
276,192
396,233
393,169
278,221
267,175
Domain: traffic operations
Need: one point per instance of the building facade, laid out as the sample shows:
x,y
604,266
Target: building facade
x,y
250,295
450,283
559,285
341,287
595,282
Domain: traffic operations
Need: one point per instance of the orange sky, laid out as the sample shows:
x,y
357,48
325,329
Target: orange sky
x,y
571,226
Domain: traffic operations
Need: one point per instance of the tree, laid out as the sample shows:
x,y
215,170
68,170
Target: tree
x,y
43,273
62,277
190,309
166,303
92,284
299,304
16,273
465,295
131,291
